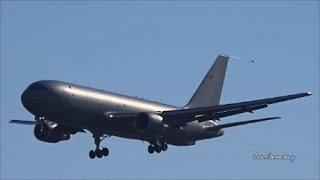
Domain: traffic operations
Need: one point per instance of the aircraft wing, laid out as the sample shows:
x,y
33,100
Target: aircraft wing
x,y
51,124
23,122
182,116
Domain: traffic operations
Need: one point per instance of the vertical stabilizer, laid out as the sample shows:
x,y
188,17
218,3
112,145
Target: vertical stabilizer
x,y
209,91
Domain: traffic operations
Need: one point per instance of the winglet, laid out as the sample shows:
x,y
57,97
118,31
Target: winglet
x,y
308,93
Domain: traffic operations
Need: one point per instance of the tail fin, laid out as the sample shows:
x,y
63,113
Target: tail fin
x,y
209,91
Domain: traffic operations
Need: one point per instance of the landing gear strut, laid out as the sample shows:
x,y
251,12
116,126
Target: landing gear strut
x,y
157,148
98,152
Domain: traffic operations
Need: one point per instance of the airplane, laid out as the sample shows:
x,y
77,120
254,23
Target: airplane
x,y
63,109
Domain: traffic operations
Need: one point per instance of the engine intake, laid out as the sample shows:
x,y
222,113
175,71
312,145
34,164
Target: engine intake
x,y
50,135
149,123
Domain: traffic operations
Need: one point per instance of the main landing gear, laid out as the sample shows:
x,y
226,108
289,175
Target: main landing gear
x,y
98,152
157,148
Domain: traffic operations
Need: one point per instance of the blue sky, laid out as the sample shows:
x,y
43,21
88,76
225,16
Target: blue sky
x,y
161,51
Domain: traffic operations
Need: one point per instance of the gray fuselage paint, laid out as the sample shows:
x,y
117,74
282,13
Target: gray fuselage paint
x,y
87,108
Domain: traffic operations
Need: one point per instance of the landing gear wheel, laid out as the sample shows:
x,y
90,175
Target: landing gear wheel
x,y
150,149
92,154
99,153
105,151
66,137
164,147
157,148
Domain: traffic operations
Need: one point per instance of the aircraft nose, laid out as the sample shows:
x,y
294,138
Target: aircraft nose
x,y
25,98
39,97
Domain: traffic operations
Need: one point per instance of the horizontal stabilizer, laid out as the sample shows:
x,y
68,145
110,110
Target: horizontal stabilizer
x,y
240,123
24,122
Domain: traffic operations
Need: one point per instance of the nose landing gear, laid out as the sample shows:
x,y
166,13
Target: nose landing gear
x,y
98,152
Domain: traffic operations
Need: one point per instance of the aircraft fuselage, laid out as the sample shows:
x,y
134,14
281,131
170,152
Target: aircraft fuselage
x,y
87,108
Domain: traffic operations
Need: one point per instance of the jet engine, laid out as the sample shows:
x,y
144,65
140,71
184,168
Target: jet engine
x,y
46,134
149,123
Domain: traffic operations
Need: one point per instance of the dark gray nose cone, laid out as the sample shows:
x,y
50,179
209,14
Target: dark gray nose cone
x,y
24,98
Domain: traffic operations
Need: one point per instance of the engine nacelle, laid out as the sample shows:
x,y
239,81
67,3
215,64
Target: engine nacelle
x,y
50,135
150,124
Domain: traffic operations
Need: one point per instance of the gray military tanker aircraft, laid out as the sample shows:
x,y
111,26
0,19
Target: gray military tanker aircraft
x,y
62,109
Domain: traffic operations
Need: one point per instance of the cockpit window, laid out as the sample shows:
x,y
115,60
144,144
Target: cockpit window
x,y
37,87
